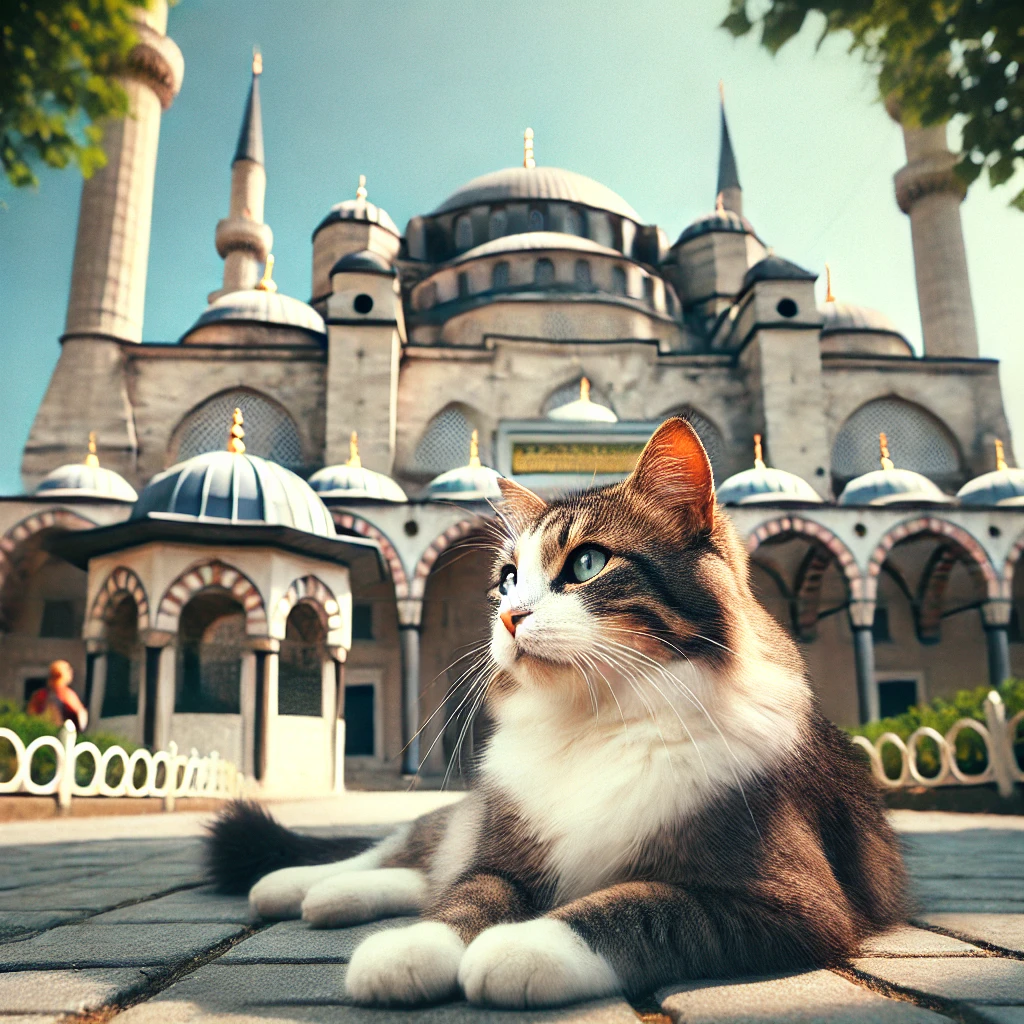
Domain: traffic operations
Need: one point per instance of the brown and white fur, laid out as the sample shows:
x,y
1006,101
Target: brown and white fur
x,y
660,798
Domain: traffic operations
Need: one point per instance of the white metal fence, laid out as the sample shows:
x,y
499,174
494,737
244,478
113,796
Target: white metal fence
x,y
167,774
996,734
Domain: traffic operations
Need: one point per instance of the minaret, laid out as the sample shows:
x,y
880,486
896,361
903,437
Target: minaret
x,y
728,177
243,240
929,192
88,388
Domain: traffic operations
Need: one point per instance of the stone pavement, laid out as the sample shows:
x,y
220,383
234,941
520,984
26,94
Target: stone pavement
x,y
124,929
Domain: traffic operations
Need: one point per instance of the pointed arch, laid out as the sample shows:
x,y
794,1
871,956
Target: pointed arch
x,y
313,590
430,556
820,535
213,574
399,577
120,581
50,519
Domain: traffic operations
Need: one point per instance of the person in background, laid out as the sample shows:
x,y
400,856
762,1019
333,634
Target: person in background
x,y
57,700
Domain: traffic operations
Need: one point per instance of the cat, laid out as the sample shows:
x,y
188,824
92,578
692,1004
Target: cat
x,y
660,798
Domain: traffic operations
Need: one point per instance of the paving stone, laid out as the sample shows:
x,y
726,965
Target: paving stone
x,y
294,942
1004,930
909,941
190,905
77,897
66,991
272,993
965,979
122,945
815,997
15,922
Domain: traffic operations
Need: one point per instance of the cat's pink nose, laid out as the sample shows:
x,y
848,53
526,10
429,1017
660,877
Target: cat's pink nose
x,y
511,617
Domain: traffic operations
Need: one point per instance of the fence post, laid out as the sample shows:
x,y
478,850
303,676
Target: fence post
x,y
67,769
1000,749
172,775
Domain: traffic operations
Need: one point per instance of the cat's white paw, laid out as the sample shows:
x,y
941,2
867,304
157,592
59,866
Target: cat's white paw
x,y
535,963
404,966
358,896
279,895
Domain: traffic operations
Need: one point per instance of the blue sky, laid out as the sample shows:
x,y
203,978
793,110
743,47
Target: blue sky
x,y
422,96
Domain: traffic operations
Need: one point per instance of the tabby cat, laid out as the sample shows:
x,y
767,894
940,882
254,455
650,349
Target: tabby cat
x,y
660,798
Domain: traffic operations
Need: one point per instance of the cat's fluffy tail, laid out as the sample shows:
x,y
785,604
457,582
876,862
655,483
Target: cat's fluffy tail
x,y
245,843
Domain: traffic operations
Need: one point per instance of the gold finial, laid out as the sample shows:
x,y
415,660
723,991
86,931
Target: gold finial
x,y
266,283
719,203
92,460
584,389
353,452
235,443
474,450
528,160
1000,456
361,191
829,297
257,61
758,456
883,449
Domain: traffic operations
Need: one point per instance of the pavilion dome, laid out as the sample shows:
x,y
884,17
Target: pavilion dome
x,y
764,484
86,480
775,268
1003,486
724,221
365,261
472,482
891,486
583,410
353,480
258,306
359,209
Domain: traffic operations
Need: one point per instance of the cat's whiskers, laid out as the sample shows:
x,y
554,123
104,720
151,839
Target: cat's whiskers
x,y
457,753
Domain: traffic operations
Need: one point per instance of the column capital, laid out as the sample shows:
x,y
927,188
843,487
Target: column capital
x,y
862,614
410,613
96,645
156,638
996,614
267,644
339,654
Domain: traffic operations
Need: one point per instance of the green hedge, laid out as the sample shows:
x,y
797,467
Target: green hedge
x,y
941,715
44,764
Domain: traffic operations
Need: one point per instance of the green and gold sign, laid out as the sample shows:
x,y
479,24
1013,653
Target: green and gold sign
x,y
575,457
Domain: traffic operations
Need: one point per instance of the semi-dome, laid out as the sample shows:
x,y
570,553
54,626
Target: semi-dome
x,y
543,183
352,479
472,482
261,307
764,484
534,240
775,268
891,486
583,410
365,261
860,329
1003,486
230,486
86,480
726,221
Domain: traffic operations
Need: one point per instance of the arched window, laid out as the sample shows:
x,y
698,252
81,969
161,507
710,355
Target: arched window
x,y
649,291
497,225
917,441
618,281
573,222
670,301
211,638
463,280
499,275
445,443
535,222
463,233
582,274
269,431
301,665
543,272
709,435
124,661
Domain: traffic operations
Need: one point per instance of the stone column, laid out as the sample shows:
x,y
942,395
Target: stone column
x,y
247,705
996,618
266,708
410,617
930,193
156,703
95,679
862,619
335,679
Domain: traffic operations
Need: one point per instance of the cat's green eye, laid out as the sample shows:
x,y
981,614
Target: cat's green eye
x,y
508,579
588,563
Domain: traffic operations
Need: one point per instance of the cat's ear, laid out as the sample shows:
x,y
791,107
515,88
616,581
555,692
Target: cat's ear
x,y
519,503
674,471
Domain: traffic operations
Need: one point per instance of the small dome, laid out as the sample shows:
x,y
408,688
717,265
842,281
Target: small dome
x,y
552,183
765,484
472,482
81,480
842,317
1003,486
892,487
583,410
364,262
359,210
531,240
775,268
225,487
352,480
860,330
265,307
725,221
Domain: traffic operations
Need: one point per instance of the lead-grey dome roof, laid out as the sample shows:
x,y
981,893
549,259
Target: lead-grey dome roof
x,y
775,268
843,317
244,489
467,483
1003,487
359,210
77,480
346,481
718,220
257,306
365,261
891,487
514,183
530,240
766,484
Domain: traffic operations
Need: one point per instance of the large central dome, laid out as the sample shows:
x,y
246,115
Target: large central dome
x,y
514,183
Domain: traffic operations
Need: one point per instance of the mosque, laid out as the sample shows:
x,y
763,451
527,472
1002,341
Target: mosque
x,y
262,539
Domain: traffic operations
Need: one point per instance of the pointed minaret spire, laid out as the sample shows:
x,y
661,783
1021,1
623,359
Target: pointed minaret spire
x,y
728,177
243,240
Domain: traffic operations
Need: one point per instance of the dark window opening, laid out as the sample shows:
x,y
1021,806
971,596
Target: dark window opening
x,y
544,272
649,291
362,622
359,721
786,308
896,696
33,684
499,275
300,669
880,626
582,274
124,662
463,285
1016,636
618,281
212,638
363,303
535,222
58,620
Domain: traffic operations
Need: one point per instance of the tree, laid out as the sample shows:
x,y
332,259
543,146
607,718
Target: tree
x,y
936,59
58,61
